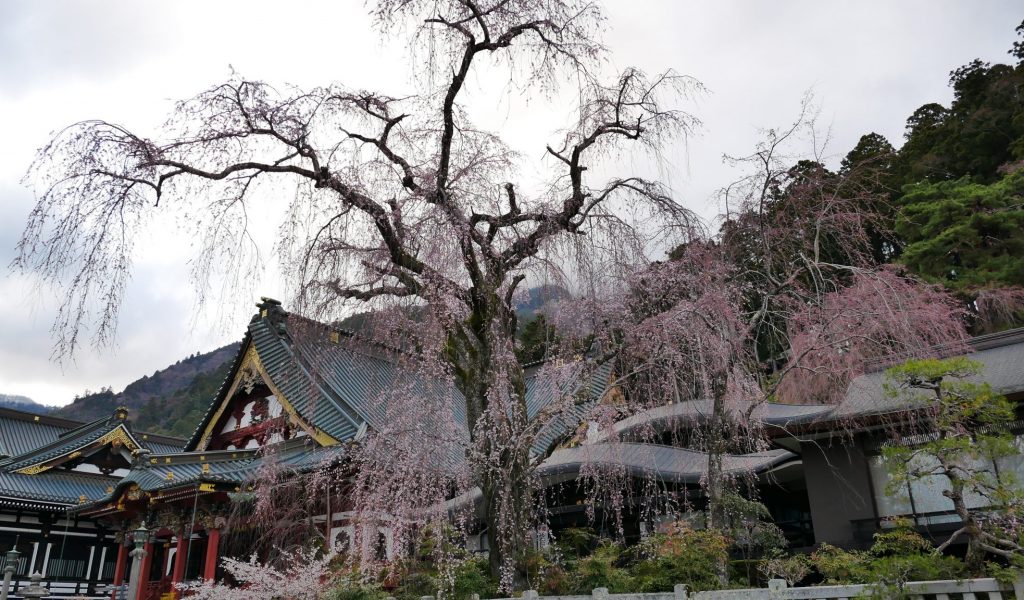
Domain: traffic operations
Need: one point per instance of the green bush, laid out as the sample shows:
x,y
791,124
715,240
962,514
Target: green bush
x,y
601,569
682,555
472,576
577,542
840,566
897,556
416,585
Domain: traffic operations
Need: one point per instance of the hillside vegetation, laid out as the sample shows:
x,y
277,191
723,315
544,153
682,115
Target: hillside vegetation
x,y
170,401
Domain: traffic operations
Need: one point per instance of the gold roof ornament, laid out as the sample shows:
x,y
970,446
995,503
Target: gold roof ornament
x,y
118,437
170,476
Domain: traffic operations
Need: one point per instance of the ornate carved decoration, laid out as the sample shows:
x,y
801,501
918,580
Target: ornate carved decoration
x,y
213,517
249,378
251,364
134,493
169,518
33,469
117,437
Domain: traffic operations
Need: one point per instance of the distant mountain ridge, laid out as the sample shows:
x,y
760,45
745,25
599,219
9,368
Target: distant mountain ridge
x,y
24,403
170,401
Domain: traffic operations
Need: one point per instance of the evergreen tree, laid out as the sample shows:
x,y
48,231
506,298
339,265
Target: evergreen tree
x,y
966,427
965,235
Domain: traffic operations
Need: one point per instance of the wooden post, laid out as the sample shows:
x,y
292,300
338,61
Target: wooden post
x,y
122,560
212,541
178,574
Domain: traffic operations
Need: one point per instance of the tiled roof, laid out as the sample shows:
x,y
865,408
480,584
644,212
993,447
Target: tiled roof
x,y
1000,354
337,382
545,386
64,444
57,487
34,439
21,433
237,467
666,463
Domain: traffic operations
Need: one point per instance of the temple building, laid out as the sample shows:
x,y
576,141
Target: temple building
x,y
49,465
298,393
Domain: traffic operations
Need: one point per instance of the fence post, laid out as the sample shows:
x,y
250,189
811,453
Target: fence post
x,y
776,585
679,592
474,597
600,593
1018,587
530,595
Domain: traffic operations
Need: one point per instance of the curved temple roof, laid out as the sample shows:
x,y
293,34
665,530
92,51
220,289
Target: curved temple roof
x,y
665,463
33,476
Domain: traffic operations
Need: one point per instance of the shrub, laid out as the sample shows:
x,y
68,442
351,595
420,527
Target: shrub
x,y
601,569
577,542
356,591
841,566
897,556
415,585
791,568
472,576
682,555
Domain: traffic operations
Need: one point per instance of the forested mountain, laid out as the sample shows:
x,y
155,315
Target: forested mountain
x,y
170,401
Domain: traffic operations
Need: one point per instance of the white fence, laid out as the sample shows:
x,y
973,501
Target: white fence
x,y
966,589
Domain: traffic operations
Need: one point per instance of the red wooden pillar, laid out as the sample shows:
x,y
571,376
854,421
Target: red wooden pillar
x,y
178,575
122,561
212,541
144,568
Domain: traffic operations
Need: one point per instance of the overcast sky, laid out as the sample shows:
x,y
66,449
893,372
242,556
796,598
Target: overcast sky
x,y
870,63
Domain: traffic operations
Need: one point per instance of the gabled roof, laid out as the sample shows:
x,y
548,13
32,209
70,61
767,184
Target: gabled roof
x,y
56,440
70,444
337,382
314,394
40,442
